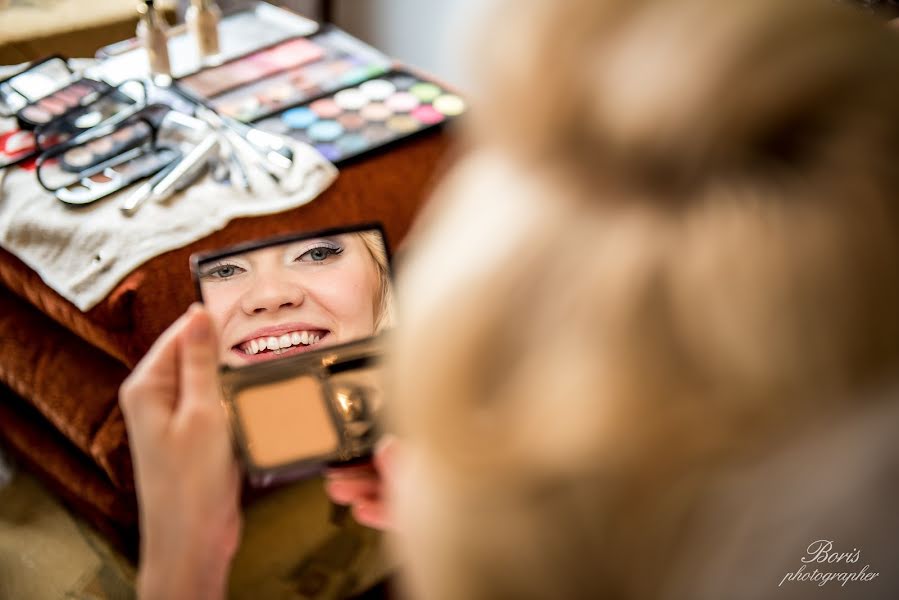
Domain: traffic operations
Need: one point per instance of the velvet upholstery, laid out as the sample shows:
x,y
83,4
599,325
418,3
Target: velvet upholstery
x,y
62,368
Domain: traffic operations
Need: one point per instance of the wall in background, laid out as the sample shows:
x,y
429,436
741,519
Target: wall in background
x,y
429,34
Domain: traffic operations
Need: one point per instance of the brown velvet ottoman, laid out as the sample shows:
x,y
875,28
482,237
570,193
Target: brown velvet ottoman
x,y
60,368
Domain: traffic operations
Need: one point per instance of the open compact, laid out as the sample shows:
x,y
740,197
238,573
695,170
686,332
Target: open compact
x,y
299,321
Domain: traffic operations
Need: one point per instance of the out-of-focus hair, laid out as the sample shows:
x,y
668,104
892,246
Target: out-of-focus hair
x,y
676,247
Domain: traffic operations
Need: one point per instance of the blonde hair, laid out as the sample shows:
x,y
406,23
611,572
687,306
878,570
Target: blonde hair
x,y
682,234
383,305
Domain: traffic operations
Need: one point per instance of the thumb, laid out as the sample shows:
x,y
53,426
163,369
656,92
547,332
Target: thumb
x,y
198,349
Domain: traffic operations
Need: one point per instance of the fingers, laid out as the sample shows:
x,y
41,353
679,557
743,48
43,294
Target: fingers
x,y
350,490
372,514
198,354
151,389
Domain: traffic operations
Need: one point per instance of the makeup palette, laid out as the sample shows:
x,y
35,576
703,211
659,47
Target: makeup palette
x,y
117,173
344,61
113,156
102,149
115,104
53,106
283,56
370,115
36,81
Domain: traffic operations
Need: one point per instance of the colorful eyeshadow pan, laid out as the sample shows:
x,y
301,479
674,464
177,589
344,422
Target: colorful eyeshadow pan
x,y
299,118
403,124
426,92
402,102
449,105
377,89
368,115
427,115
351,99
326,108
325,131
375,111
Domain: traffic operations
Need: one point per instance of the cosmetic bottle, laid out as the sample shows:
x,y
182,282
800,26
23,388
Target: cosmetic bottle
x,y
203,22
152,32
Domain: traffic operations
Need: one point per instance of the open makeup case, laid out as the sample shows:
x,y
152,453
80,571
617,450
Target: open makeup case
x,y
105,136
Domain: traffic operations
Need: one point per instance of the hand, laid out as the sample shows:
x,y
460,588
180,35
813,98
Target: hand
x,y
364,486
187,479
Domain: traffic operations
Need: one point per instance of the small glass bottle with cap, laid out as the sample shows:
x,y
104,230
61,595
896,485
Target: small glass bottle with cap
x,y
152,31
203,21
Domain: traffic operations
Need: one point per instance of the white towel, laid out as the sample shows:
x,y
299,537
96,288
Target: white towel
x,y
83,252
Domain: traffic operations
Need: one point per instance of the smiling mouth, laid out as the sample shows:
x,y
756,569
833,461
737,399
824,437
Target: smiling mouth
x,y
293,342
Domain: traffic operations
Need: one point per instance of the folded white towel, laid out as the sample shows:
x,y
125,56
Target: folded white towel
x,y
83,252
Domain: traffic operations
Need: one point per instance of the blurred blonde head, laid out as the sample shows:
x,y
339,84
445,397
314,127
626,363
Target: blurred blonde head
x,y
678,233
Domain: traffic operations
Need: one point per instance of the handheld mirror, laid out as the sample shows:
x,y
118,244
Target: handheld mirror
x,y
298,321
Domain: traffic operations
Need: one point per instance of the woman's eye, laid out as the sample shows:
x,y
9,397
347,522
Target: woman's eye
x,y
319,254
223,272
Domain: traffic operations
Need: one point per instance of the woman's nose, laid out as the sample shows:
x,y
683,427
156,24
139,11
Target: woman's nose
x,y
271,295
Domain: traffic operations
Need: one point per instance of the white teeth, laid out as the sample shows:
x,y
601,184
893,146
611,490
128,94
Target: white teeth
x,y
278,344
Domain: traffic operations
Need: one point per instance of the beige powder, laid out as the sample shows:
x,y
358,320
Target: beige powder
x,y
285,421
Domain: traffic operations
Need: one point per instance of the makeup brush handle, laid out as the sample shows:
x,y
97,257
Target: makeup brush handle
x,y
137,198
194,160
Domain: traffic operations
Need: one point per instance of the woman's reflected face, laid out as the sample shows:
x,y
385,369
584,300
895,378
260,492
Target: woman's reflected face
x,y
291,298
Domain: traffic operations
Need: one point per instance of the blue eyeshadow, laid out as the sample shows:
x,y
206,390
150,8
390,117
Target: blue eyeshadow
x,y
299,118
325,131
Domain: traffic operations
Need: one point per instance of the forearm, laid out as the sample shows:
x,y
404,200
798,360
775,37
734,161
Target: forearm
x,y
184,575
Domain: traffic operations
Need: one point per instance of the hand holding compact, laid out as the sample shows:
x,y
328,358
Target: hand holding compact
x,y
186,474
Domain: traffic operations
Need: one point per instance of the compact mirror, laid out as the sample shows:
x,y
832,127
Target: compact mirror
x,y
299,321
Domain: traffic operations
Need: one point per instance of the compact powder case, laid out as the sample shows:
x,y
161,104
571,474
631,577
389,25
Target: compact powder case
x,y
293,416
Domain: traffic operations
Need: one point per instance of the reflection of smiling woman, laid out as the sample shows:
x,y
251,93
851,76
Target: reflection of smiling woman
x,y
295,297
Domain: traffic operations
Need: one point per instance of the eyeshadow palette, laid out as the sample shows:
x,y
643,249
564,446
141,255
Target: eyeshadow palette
x,y
102,149
373,114
111,176
283,56
345,61
113,105
32,83
72,96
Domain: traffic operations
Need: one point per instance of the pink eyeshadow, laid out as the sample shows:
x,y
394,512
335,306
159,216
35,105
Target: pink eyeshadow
x,y
427,115
326,108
